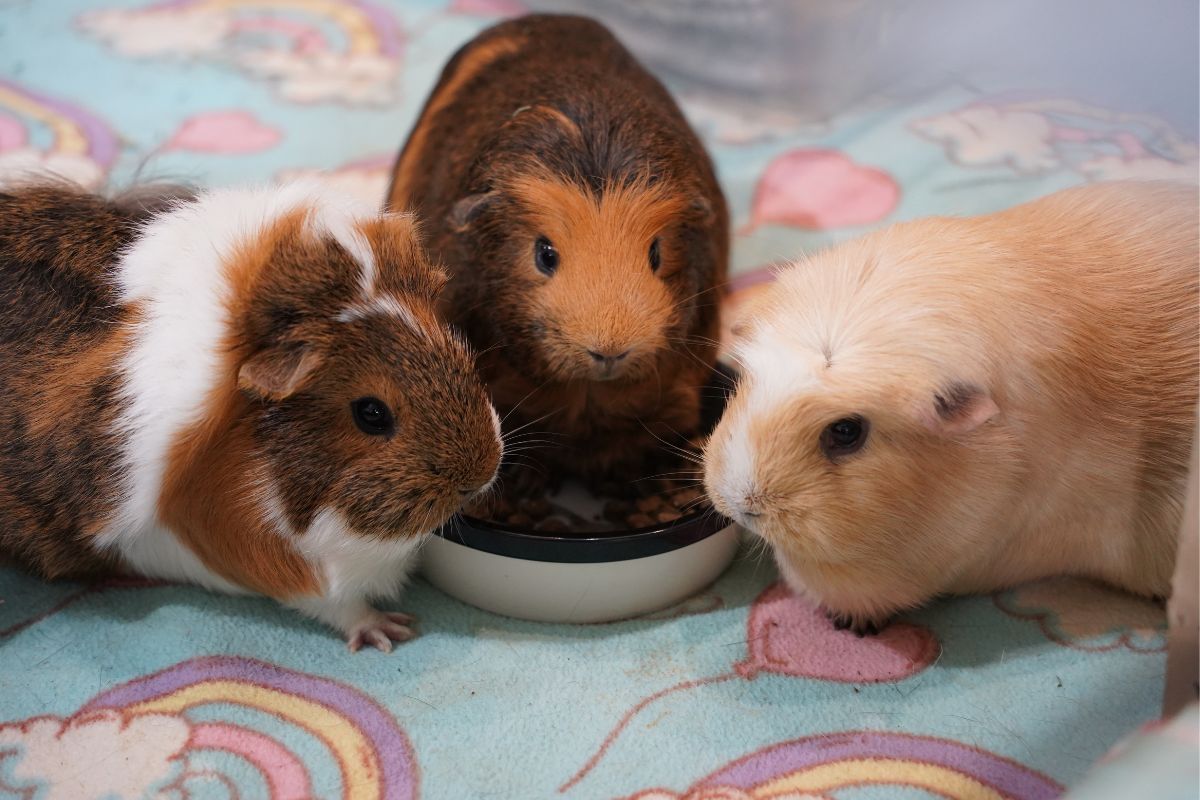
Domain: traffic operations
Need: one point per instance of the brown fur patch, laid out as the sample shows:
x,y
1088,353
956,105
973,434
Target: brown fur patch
x,y
565,135
402,263
467,65
207,497
604,296
62,332
212,500
301,294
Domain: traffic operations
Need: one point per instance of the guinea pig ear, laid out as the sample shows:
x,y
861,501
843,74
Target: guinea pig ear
x,y
701,206
959,408
276,372
467,209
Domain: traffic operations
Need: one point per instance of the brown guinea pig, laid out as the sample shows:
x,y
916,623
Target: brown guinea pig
x,y
585,233
958,405
248,390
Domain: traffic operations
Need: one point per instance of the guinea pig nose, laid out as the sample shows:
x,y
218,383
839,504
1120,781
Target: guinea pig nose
x,y
607,358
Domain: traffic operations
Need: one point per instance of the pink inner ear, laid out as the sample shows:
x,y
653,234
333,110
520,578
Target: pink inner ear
x,y
966,410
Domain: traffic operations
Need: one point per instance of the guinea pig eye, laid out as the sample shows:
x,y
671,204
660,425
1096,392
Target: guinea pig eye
x,y
655,256
843,437
545,256
372,416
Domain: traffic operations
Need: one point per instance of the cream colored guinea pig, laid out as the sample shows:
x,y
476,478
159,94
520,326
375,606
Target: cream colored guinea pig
x,y
957,405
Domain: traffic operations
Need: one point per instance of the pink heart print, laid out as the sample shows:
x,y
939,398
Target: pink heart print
x,y
821,189
788,635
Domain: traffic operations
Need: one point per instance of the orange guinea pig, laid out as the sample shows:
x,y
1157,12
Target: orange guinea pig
x,y
958,405
249,390
585,233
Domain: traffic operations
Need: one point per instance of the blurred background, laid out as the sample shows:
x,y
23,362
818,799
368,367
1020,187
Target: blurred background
x,y
824,118
815,59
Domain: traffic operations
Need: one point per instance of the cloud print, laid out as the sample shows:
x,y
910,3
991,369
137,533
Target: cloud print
x,y
299,61
982,136
105,754
23,164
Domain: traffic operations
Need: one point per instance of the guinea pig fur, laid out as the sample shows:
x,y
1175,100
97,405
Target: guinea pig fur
x,y
249,390
585,234
958,405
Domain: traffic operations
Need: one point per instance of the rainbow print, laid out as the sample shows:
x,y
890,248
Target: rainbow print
x,y
368,29
372,753
345,51
826,763
79,143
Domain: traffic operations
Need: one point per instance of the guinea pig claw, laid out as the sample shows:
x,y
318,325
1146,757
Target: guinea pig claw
x,y
846,622
380,629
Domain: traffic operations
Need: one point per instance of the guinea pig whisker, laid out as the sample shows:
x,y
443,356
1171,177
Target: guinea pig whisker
x,y
518,438
517,430
713,288
487,350
685,341
531,444
518,451
522,400
527,464
689,473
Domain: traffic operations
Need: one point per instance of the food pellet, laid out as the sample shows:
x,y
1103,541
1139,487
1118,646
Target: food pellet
x,y
649,504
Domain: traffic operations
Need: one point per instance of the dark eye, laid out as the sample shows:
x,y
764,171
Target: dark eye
x,y
655,256
372,416
843,437
545,256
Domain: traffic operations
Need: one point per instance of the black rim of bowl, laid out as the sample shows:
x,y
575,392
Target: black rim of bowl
x,y
534,545
505,540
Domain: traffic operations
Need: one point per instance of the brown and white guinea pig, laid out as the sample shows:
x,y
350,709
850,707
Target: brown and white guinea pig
x,y
585,233
248,390
958,405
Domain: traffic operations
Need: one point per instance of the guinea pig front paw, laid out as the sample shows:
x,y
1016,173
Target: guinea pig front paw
x,y
379,629
859,626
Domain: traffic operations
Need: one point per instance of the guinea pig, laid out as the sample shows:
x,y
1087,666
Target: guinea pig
x,y
585,235
956,405
249,390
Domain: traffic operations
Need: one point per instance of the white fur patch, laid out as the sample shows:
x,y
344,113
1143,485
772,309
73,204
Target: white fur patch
x,y
353,568
776,368
344,232
384,305
175,272
736,480
156,553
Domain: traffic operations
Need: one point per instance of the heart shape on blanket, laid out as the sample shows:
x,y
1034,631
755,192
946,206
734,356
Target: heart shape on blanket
x,y
788,635
819,189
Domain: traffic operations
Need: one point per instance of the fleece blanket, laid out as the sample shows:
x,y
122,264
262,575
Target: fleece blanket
x,y
134,689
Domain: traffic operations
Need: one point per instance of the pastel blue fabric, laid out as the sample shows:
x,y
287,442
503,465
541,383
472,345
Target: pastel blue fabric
x,y
134,689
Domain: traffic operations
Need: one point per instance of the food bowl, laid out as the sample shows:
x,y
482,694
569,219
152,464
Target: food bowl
x,y
594,577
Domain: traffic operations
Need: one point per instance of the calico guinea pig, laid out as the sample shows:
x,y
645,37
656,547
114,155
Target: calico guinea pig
x,y
958,405
248,390
585,234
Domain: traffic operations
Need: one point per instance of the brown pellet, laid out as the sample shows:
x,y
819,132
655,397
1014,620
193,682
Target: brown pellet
x,y
648,505
639,520
536,507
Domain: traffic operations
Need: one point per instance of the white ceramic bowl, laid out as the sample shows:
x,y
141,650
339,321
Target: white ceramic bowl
x,y
588,578
546,578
